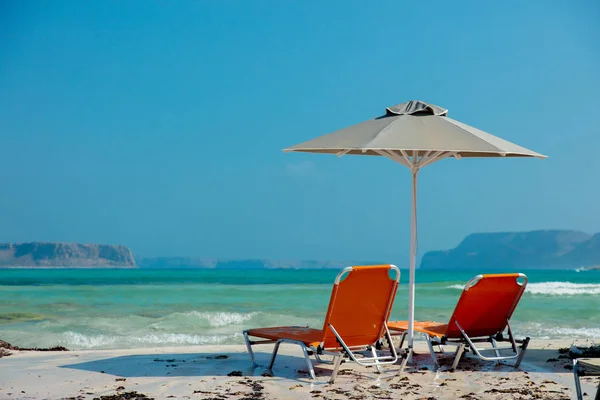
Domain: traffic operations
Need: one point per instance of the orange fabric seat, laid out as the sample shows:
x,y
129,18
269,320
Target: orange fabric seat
x,y
306,335
360,304
431,328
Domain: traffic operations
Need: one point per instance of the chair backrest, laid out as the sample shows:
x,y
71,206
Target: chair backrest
x,y
360,303
486,303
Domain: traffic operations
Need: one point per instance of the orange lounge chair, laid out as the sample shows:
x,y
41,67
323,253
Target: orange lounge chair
x,y
360,304
486,304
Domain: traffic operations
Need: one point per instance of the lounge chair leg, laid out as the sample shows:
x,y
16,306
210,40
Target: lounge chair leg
x,y
496,351
309,365
249,347
432,353
275,349
405,357
402,337
321,360
374,352
576,375
523,349
336,367
459,353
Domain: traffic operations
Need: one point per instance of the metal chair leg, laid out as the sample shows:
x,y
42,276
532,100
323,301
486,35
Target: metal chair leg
x,y
523,350
336,367
309,365
249,347
374,352
402,337
321,360
496,351
275,349
459,353
576,376
432,353
405,358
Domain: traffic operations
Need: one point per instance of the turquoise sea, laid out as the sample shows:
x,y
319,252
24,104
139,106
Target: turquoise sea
x,y
123,308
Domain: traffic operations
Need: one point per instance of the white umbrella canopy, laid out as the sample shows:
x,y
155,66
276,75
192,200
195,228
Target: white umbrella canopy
x,y
414,134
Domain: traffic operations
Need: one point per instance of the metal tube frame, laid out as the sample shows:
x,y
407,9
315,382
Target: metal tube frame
x,y
466,343
577,372
577,383
374,360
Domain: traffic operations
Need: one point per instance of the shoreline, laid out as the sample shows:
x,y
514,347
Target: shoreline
x,y
225,371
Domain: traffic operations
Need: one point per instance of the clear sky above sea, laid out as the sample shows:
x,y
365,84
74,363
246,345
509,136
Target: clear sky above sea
x,y
160,124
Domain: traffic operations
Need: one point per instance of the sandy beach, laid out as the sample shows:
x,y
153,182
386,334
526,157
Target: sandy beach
x,y
225,372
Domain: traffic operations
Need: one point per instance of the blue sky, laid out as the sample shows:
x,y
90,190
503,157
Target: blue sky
x,y
160,124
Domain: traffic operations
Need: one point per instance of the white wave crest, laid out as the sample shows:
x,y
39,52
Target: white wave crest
x,y
218,319
82,341
75,339
563,288
554,288
546,331
203,320
181,338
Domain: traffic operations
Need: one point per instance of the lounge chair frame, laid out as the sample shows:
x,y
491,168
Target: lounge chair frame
x,y
344,351
585,371
466,343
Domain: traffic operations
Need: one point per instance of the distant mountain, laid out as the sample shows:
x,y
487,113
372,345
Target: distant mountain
x,y
65,255
500,251
586,253
191,262
535,249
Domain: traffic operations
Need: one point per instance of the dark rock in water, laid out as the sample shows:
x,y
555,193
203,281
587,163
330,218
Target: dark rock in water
x,y
235,373
62,255
535,249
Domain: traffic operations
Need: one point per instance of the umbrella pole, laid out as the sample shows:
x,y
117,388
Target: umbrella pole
x,y
413,255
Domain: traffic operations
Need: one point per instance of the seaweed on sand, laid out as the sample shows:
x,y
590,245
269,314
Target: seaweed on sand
x,y
579,351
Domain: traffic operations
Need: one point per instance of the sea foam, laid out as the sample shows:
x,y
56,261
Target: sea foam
x,y
554,288
547,331
76,340
218,319
563,288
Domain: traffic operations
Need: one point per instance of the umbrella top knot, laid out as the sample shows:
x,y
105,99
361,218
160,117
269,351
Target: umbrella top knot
x,y
416,107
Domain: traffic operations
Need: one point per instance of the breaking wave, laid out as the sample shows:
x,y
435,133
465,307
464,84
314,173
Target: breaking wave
x,y
205,319
554,288
78,340
548,331
563,288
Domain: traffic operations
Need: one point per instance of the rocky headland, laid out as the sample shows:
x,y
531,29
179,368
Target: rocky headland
x,y
65,255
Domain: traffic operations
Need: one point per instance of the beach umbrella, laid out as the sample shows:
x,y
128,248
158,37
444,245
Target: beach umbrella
x,y
414,134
